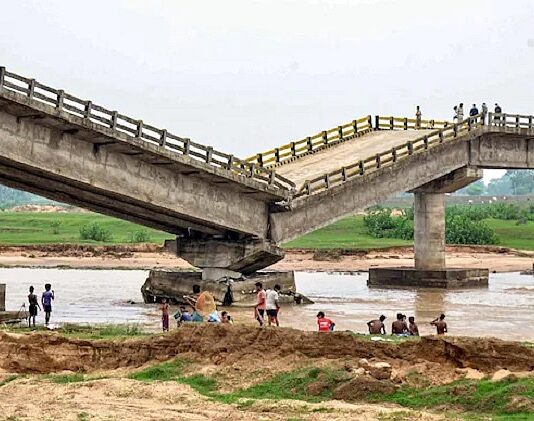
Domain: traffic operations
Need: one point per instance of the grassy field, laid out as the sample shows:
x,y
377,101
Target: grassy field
x,y
18,228
350,233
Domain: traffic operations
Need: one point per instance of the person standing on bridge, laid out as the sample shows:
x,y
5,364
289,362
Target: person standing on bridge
x,y
498,112
484,112
455,118
418,118
461,112
473,112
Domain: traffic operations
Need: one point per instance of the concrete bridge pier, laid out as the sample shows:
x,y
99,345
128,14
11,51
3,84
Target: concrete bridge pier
x,y
429,241
429,231
228,269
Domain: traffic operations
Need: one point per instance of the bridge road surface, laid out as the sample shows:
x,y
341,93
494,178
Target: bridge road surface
x,y
343,154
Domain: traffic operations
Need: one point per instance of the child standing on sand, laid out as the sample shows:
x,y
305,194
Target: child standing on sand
x,y
46,301
165,314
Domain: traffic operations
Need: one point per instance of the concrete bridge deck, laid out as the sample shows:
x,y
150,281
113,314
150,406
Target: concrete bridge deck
x,y
344,154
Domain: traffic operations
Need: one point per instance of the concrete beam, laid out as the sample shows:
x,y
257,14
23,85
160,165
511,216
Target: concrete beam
x,y
455,180
240,257
46,154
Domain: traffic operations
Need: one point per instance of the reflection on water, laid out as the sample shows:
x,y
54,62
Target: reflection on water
x,y
505,309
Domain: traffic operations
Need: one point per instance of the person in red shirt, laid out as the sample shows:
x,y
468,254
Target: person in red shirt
x,y
259,308
324,324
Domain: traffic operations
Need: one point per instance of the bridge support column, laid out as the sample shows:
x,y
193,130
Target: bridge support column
x,y
2,297
429,231
229,272
429,241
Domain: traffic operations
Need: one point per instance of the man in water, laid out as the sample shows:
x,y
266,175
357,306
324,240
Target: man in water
x,y
324,324
399,326
165,314
271,304
46,301
259,308
412,327
440,324
34,305
377,327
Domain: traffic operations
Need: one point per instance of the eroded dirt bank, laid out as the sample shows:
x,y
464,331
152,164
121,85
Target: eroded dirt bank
x,y
150,256
226,345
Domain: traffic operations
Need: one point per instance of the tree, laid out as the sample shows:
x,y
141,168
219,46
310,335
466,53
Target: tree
x,y
475,189
514,182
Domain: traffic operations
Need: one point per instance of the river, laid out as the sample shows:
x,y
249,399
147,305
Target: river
x,y
505,309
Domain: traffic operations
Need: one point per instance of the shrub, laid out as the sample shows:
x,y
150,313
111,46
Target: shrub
x,y
55,227
463,225
459,229
95,232
140,237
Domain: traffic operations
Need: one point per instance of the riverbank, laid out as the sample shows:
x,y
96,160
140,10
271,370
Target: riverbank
x,y
217,372
149,256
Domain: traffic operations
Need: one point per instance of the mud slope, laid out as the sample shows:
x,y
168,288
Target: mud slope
x,y
225,345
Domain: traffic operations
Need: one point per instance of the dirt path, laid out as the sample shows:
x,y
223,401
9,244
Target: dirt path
x,y
148,257
123,399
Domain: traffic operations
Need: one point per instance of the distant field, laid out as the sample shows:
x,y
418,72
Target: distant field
x,y
351,233
18,228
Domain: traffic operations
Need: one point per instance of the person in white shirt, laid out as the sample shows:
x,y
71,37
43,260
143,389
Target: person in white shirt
x,y
272,305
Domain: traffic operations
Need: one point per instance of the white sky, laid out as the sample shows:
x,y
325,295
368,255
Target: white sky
x,y
245,76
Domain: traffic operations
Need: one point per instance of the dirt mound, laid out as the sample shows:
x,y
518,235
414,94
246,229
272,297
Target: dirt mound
x,y
361,387
227,345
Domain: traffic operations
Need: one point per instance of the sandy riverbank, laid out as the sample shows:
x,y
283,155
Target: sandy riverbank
x,y
151,256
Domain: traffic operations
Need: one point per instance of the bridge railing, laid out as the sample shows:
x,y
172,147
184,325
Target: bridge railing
x,y
137,129
404,123
517,121
313,143
391,156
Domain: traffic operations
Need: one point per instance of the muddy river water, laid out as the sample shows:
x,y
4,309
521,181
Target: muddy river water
x,y
505,309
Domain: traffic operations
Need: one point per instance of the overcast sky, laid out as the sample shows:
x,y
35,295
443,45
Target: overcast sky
x,y
245,76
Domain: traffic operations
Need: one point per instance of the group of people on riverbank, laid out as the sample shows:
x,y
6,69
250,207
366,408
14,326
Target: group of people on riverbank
x,y
46,300
400,327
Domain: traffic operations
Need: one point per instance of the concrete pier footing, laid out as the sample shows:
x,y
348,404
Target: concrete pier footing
x,y
174,285
439,278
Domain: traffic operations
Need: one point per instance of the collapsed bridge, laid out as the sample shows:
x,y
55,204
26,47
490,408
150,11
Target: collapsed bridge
x,y
229,214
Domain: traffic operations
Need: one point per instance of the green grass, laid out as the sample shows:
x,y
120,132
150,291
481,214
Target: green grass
x,y
71,378
170,370
20,228
512,235
9,379
351,233
482,397
474,400
87,331
348,233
